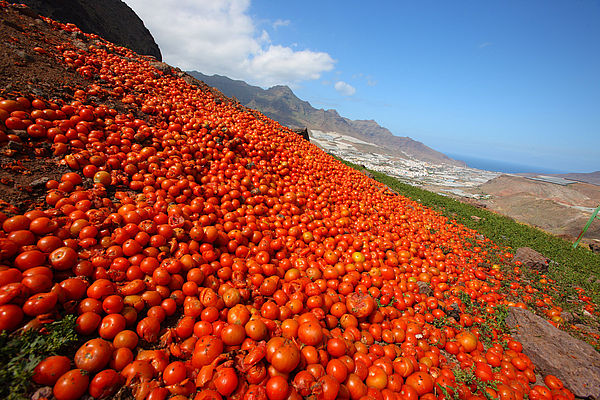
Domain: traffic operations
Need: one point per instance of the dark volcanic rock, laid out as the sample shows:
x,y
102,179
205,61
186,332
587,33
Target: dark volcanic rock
x,y
111,19
532,259
557,353
302,132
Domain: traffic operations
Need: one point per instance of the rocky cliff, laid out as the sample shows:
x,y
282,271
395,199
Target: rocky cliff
x,y
111,19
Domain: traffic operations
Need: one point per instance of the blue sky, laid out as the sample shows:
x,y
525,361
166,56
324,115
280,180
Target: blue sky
x,y
517,81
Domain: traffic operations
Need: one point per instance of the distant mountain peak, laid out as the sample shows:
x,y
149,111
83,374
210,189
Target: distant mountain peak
x,y
282,88
281,104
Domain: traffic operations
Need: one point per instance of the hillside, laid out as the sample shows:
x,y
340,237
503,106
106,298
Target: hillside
x,y
158,240
590,177
111,19
281,104
562,210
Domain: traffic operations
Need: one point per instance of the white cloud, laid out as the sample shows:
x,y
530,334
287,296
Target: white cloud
x,y
344,88
281,22
278,63
485,44
220,37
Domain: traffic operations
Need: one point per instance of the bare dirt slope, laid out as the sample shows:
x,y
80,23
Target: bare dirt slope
x,y
562,210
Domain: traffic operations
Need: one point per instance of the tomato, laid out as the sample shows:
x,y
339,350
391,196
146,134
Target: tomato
x,y
336,347
41,303
93,355
71,385
356,386
467,340
8,248
111,325
101,288
105,384
377,378
403,366
11,317
409,393
74,288
330,388
16,223
148,329
63,258
256,329
174,373
337,369
277,388
225,381
207,348
483,371
87,323
283,355
29,259
210,394
553,382
125,338
361,305
310,333
422,382
37,283
50,369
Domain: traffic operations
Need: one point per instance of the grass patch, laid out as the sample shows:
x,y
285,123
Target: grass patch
x,y
21,352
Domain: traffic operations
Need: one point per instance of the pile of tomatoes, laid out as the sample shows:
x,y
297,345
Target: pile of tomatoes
x,y
210,253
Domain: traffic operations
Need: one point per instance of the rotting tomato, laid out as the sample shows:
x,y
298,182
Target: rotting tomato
x,y
104,384
93,355
361,305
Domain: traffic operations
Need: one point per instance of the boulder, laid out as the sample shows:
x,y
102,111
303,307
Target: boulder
x,y
555,352
302,132
366,172
532,259
162,66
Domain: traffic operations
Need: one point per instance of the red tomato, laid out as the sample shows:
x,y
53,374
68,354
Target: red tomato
x,y
361,305
105,384
93,355
41,303
71,385
10,317
50,369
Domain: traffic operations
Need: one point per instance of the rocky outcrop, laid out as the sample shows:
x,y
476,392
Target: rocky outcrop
x,y
302,132
111,19
532,259
555,352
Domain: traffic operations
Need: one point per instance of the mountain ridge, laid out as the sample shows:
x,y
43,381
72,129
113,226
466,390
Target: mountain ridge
x,y
281,104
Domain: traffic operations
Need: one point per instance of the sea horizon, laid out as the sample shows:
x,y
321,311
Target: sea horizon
x,y
504,166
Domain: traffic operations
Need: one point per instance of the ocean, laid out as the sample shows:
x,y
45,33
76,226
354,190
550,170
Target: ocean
x,y
503,166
